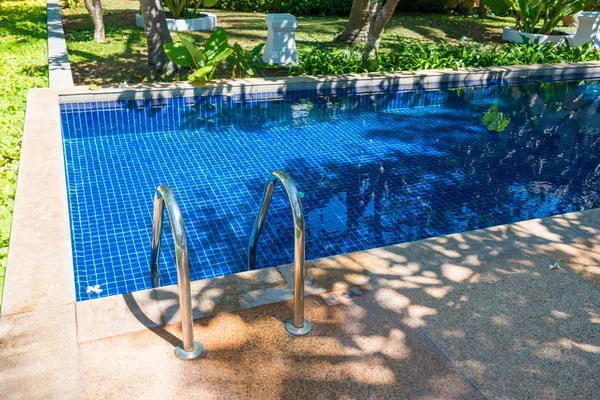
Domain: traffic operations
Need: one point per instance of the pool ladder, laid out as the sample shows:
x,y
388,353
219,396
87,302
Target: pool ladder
x,y
297,325
190,349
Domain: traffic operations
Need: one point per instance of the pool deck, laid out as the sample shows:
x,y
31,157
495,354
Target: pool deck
x,y
461,316
466,315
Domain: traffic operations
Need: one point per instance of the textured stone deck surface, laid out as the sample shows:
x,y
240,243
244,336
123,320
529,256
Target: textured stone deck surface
x,y
356,351
471,315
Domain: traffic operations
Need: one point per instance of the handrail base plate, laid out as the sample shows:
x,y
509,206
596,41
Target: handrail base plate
x,y
289,326
189,355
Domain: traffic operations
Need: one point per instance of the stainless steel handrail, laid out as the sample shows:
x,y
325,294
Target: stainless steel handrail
x,y
298,325
189,349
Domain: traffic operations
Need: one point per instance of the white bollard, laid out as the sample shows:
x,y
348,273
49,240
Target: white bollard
x,y
588,29
281,39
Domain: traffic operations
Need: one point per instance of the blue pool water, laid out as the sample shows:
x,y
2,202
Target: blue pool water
x,y
374,168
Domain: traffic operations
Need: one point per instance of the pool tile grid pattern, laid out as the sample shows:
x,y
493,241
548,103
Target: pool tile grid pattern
x,y
374,169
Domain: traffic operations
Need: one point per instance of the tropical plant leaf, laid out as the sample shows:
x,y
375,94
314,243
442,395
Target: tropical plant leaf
x,y
216,44
241,58
178,54
255,52
226,52
197,54
201,74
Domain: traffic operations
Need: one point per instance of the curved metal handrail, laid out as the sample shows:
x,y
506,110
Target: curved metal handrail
x,y
189,349
298,325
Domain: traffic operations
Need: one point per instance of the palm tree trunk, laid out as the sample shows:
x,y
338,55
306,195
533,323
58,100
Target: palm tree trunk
x,y
157,35
94,7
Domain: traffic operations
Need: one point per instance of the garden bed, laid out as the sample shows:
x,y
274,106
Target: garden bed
x,y
411,42
123,58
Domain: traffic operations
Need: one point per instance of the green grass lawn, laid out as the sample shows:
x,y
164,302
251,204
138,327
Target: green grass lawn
x,y
123,57
23,65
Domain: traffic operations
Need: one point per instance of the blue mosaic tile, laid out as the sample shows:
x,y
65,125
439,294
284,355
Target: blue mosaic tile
x,y
375,168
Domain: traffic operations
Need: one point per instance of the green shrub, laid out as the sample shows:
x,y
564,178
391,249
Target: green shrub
x,y
70,4
530,13
296,7
331,7
314,7
216,53
185,8
246,5
411,56
429,6
594,5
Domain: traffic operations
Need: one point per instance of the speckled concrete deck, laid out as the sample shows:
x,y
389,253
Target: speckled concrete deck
x,y
357,351
461,316
455,317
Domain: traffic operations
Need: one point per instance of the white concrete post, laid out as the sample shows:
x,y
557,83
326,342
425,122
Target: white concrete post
x,y
281,39
588,29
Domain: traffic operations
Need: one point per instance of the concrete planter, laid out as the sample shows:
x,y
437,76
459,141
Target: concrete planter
x,y
588,29
206,22
515,36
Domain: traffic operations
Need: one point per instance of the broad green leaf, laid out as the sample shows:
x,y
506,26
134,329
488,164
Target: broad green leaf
x,y
216,44
239,52
495,120
221,56
255,52
197,54
261,64
201,74
209,3
177,53
246,67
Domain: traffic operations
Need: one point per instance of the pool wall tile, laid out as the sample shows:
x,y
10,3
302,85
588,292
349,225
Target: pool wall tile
x,y
375,167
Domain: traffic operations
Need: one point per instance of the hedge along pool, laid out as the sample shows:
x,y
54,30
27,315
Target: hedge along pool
x,y
374,169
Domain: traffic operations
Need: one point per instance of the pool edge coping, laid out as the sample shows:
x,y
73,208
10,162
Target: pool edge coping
x,y
403,80
59,67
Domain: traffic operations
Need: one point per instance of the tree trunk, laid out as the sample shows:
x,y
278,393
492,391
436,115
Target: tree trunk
x,y
379,20
357,27
481,10
518,21
94,7
571,20
157,35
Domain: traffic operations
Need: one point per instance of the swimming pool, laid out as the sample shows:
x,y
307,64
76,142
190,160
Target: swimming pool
x,y
375,168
